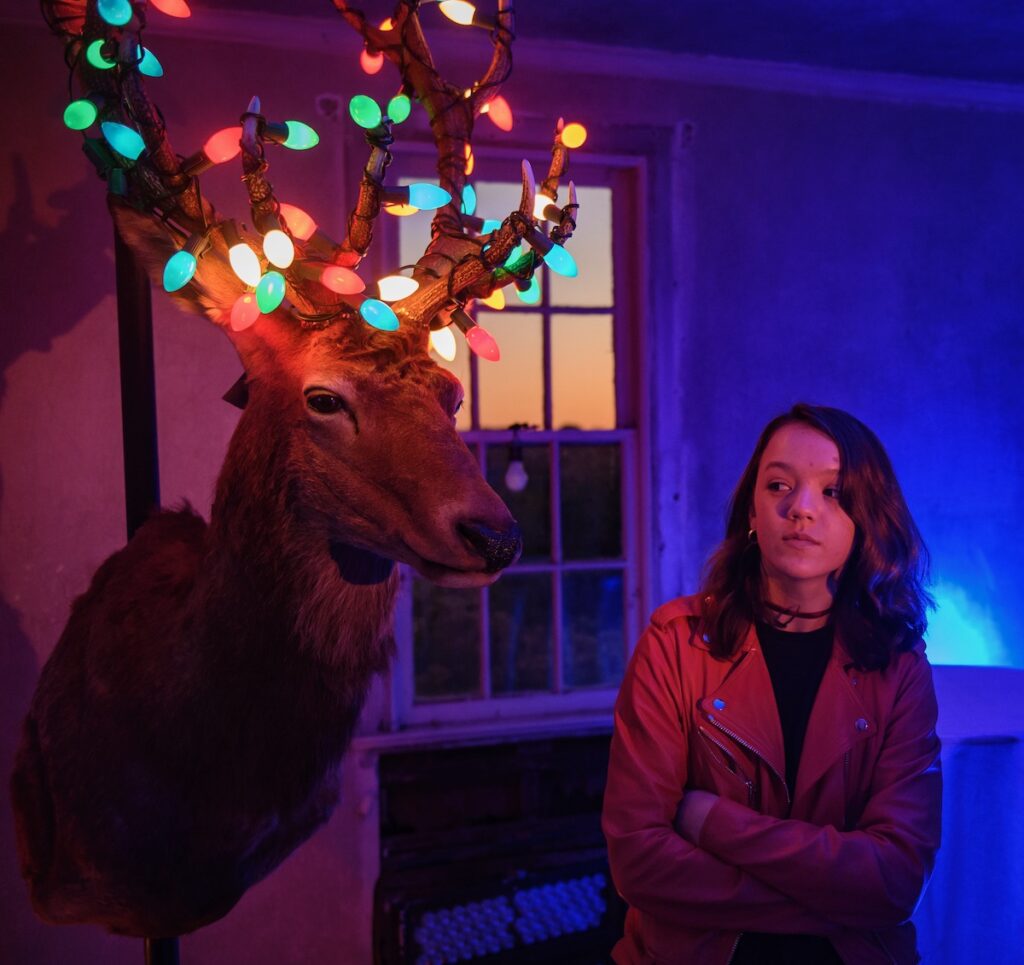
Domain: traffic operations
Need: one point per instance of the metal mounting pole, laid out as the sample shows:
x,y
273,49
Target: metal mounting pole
x,y
161,951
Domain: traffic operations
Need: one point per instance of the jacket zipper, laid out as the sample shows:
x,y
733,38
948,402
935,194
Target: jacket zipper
x,y
753,750
735,945
736,768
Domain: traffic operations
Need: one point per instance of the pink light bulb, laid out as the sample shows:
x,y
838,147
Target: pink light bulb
x,y
244,312
300,224
224,145
482,343
371,63
341,280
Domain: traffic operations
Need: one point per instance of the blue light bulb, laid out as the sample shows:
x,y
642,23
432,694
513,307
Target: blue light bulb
x,y
379,315
115,12
490,224
427,196
532,294
149,65
468,199
178,271
560,261
123,139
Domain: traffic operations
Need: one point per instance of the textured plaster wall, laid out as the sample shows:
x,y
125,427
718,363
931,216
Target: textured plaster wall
x,y
862,255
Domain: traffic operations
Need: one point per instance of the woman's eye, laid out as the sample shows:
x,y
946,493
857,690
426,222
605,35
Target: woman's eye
x,y
832,492
777,486
325,403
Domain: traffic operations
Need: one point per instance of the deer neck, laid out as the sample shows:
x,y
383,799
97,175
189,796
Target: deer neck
x,y
276,579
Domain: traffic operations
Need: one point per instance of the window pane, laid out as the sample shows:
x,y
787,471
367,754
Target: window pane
x,y
592,628
582,372
446,627
591,502
591,246
532,506
521,633
512,390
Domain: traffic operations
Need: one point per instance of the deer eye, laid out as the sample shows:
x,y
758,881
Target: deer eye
x,y
326,403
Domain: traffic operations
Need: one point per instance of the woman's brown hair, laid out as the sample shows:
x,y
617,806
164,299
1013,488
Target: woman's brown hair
x,y
880,605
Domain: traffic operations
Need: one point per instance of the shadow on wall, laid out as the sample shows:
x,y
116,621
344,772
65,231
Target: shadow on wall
x,y
47,294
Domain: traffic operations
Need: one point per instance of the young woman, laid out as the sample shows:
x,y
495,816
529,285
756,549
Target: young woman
x,y
774,788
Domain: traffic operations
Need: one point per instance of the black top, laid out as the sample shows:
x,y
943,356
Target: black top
x,y
796,663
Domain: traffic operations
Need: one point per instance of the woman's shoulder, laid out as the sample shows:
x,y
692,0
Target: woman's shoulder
x,y
678,611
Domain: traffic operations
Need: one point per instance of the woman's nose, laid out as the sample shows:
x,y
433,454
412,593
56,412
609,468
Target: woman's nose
x,y
802,504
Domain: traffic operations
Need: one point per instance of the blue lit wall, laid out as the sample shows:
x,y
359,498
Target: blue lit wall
x,y
867,256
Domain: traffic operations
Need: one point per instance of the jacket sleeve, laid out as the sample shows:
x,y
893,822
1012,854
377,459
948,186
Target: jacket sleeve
x,y
655,870
872,876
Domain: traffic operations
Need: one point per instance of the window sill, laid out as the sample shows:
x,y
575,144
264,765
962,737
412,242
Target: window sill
x,y
475,733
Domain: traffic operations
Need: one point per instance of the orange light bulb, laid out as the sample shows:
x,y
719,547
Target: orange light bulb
x,y
499,112
173,8
300,224
470,160
224,145
371,63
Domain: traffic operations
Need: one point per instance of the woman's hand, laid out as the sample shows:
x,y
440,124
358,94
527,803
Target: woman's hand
x,y
692,812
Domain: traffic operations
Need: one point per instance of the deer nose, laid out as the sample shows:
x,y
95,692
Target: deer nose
x,y
499,548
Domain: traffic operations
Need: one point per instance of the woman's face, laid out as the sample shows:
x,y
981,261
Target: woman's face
x,y
803,532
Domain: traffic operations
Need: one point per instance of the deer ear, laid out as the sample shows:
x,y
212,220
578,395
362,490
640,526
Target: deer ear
x,y
213,290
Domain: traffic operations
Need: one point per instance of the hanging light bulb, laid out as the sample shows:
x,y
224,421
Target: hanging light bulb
x,y
341,280
480,341
173,8
244,312
149,65
378,314
545,209
400,210
94,54
219,148
387,24
468,199
244,261
515,475
300,224
470,160
426,197
495,300
365,111
270,291
458,11
116,12
371,63
278,248
573,135
555,256
489,225
499,112
442,341
82,113
393,288
399,108
124,140
181,266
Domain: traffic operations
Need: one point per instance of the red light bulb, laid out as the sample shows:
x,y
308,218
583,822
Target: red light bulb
x,y
341,280
499,112
173,8
371,63
300,224
224,145
244,312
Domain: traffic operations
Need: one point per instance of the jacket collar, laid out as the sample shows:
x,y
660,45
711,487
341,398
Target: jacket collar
x,y
743,705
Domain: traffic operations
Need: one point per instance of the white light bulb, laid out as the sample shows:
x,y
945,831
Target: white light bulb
x,y
459,11
278,248
541,201
443,342
394,287
245,264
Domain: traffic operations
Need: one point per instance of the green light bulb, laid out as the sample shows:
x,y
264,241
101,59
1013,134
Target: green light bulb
x,y
532,294
270,291
123,139
301,137
399,108
94,54
364,111
149,65
514,256
115,12
80,114
178,271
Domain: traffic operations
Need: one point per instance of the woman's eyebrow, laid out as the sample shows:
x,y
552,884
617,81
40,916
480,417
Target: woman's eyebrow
x,y
786,467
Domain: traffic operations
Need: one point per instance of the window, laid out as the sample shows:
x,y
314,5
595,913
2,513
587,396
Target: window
x,y
552,634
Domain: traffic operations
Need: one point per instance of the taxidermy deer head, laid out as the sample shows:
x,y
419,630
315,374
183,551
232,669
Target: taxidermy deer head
x,y
186,732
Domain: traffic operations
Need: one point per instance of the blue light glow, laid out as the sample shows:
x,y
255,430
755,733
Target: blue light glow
x,y
961,631
124,140
559,260
115,12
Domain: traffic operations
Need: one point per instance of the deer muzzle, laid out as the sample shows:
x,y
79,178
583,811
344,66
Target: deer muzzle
x,y
499,548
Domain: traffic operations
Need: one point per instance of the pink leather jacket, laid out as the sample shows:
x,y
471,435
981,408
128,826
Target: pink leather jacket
x,y
847,858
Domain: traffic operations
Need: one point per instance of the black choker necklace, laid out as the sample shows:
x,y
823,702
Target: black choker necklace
x,y
793,614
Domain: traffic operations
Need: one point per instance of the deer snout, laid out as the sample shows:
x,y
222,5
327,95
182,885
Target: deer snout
x,y
499,548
